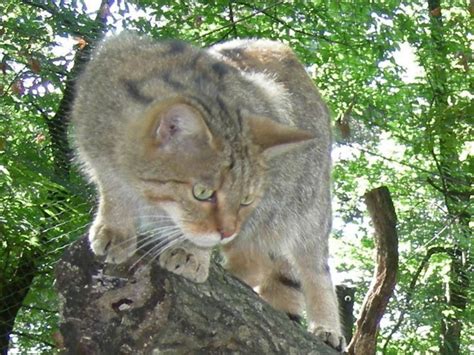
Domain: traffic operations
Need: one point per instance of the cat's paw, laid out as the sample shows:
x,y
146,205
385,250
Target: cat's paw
x,y
332,337
191,263
117,244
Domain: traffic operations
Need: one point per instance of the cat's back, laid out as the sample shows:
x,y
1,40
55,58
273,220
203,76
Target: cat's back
x,y
279,62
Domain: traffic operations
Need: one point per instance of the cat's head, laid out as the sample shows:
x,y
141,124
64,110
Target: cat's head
x,y
208,177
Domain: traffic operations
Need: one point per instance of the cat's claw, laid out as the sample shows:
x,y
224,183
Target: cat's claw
x,y
191,263
331,337
118,245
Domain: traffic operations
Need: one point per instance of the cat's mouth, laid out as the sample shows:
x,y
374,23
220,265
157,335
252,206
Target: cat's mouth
x,y
227,240
204,237
208,240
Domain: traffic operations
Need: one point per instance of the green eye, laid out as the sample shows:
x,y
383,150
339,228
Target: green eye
x,y
247,200
202,193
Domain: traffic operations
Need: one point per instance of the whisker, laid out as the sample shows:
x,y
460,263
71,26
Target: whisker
x,y
152,224
158,232
164,216
155,237
141,213
56,226
168,239
61,221
152,218
146,235
140,243
159,228
65,234
166,247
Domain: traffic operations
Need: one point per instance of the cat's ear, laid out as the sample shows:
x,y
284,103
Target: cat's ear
x,y
275,138
178,123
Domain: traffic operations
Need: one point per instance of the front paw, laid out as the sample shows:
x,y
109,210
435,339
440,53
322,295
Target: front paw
x,y
191,263
118,244
332,337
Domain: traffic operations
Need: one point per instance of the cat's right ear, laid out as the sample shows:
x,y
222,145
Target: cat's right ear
x,y
178,124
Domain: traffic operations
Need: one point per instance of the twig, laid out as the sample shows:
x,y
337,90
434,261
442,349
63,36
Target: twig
x,y
238,21
36,308
231,18
454,180
443,177
286,25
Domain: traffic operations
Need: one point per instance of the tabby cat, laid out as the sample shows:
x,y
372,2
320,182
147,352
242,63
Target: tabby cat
x,y
227,146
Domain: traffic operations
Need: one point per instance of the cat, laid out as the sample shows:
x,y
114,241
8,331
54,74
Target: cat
x,y
227,146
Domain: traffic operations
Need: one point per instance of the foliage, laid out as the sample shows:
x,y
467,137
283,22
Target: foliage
x,y
409,132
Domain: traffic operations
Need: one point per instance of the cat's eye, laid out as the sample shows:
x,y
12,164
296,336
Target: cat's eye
x,y
202,193
247,200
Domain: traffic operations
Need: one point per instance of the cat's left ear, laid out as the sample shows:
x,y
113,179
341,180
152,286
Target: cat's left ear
x,y
275,138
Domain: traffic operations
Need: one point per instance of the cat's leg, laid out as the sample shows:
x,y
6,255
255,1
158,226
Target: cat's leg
x,y
245,263
113,231
320,297
282,289
187,260
270,277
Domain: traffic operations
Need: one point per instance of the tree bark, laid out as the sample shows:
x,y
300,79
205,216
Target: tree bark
x,y
144,309
382,212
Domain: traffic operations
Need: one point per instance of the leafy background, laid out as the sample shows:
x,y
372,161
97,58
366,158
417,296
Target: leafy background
x,y
411,133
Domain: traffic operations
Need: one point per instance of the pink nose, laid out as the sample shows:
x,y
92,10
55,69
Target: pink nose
x,y
226,233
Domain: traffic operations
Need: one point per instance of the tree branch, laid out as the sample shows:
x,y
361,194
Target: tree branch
x,y
382,212
52,10
57,13
111,309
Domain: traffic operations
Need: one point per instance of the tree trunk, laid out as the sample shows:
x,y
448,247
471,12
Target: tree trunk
x,y
12,295
18,281
455,190
456,298
144,309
